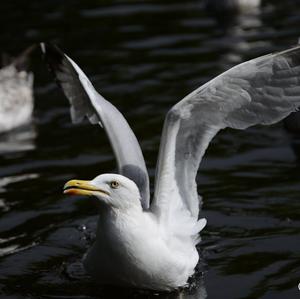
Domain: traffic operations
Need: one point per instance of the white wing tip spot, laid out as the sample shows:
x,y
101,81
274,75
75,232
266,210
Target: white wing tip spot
x,y
43,47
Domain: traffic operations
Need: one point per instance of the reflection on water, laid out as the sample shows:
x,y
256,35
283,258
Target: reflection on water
x,y
144,57
237,29
18,140
195,290
229,13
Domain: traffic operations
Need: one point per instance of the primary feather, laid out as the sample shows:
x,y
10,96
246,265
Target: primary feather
x,y
86,101
260,91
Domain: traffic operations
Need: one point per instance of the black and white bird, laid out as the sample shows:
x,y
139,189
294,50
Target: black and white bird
x,y
153,246
16,92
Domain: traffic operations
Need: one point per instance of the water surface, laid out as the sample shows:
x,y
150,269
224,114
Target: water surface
x,y
145,56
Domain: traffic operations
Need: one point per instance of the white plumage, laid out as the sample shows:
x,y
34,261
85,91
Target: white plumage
x,y
16,94
154,247
132,247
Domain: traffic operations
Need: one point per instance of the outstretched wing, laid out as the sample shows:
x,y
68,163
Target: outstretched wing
x,y
86,101
261,91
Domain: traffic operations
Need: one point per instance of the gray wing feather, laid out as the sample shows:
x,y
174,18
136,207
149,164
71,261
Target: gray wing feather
x,y
261,91
87,102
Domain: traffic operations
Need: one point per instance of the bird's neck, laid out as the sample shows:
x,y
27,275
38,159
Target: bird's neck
x,y
114,220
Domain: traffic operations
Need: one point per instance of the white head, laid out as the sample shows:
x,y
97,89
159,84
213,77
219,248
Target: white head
x,y
111,189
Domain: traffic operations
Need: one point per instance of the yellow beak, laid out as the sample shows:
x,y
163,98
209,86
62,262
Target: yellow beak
x,y
79,187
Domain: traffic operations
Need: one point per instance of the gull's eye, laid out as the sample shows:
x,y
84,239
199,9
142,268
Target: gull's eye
x,y
114,184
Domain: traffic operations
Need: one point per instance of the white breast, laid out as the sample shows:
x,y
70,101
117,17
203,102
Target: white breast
x,y
132,250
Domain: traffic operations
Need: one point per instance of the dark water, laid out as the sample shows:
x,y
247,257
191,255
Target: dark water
x,y
144,57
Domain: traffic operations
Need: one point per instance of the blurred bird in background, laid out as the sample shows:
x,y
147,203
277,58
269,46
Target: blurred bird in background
x,y
16,91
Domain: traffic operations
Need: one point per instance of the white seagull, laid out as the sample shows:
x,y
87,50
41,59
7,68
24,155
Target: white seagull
x,y
154,246
16,93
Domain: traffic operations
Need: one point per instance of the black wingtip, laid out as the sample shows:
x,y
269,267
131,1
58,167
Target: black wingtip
x,y
47,47
53,57
52,54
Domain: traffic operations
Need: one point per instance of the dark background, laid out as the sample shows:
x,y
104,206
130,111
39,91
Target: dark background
x,y
145,56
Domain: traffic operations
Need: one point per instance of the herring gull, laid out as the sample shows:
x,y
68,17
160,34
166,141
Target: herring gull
x,y
16,93
154,246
